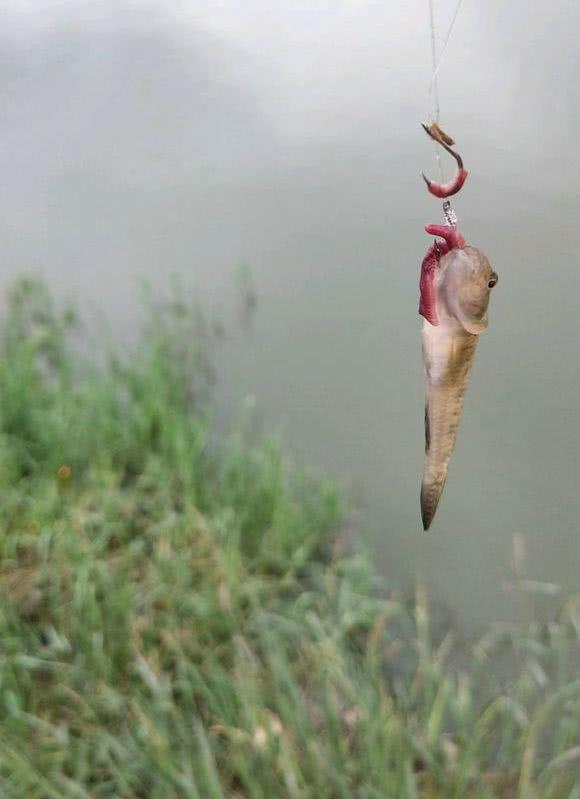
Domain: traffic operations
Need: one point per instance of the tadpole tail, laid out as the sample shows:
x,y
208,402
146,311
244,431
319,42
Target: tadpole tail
x,y
443,409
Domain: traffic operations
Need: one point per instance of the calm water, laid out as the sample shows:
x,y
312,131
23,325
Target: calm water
x,y
138,141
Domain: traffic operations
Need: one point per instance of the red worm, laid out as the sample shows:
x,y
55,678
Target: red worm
x,y
452,238
428,295
443,190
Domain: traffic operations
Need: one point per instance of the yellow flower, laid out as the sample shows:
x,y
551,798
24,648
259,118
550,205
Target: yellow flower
x,y
64,472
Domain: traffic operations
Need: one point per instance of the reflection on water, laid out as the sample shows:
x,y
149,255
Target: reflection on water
x,y
140,143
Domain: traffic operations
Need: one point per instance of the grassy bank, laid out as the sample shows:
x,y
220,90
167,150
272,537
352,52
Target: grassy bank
x,y
179,619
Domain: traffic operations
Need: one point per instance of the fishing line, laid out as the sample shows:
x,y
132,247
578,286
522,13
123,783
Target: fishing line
x,y
433,94
433,88
437,63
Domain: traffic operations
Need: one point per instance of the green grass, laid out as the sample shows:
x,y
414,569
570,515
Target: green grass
x,y
178,617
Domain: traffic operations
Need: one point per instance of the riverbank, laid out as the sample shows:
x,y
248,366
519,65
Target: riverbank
x,y
181,618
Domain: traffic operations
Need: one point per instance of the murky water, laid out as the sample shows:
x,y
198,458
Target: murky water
x,y
138,141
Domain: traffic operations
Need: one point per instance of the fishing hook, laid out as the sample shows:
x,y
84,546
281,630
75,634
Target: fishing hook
x,y
443,190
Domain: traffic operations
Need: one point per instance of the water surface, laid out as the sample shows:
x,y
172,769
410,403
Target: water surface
x,y
139,141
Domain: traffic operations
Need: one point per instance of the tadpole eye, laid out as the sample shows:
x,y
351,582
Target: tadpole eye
x,y
493,278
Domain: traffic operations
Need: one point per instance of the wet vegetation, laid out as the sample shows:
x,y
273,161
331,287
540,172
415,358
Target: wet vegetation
x,y
180,618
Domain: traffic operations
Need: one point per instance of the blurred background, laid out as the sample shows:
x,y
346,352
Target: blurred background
x,y
143,139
